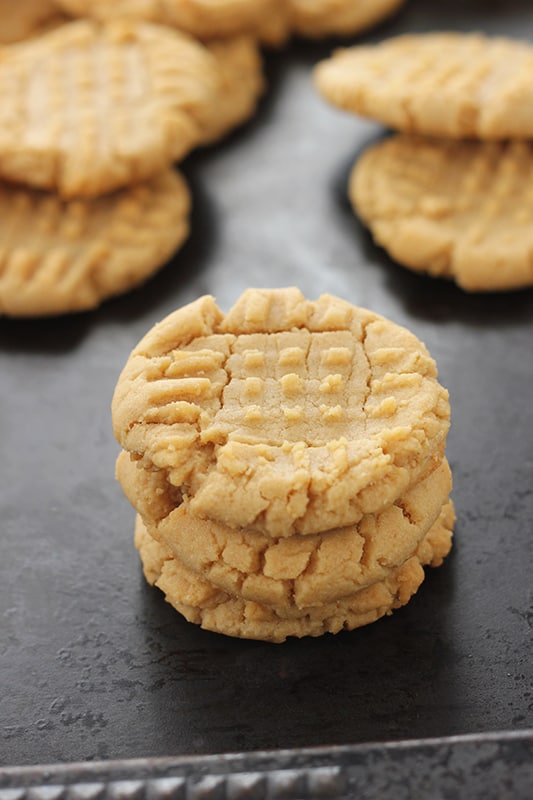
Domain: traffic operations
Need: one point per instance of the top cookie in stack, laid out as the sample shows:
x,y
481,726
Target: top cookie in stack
x,y
279,449
451,196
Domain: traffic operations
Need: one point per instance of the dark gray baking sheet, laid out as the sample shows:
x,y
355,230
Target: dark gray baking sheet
x,y
93,663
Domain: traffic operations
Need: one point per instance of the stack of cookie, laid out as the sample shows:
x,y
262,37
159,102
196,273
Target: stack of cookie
x,y
92,121
286,461
450,195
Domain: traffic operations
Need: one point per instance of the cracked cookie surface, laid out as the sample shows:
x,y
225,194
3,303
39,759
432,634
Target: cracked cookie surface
x,y
459,210
293,572
202,603
454,85
283,415
63,256
88,108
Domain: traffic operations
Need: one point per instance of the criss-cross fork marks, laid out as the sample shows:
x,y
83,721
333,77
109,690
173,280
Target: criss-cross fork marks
x,y
88,110
293,386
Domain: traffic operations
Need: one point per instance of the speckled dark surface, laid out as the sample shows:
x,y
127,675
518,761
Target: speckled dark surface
x,y
93,664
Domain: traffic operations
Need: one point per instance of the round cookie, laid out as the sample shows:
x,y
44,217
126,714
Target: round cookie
x,y
206,19
461,210
316,18
454,85
87,109
62,256
293,572
283,415
241,84
25,18
204,604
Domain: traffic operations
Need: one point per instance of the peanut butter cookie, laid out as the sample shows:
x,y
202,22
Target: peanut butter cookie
x,y
87,109
283,415
454,85
460,210
61,256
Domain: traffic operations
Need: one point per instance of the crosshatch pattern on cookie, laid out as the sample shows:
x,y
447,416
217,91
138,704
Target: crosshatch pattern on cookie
x,y
460,210
438,84
88,109
257,441
293,571
60,256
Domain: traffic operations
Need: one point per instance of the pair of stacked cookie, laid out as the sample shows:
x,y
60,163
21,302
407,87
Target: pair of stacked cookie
x,y
286,461
451,194
92,120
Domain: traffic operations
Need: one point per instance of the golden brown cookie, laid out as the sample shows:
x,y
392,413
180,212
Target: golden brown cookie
x,y
460,210
241,84
283,415
293,572
20,19
454,85
317,18
87,109
61,256
206,19
202,603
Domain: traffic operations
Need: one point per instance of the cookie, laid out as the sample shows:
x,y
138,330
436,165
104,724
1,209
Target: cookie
x,y
293,572
454,85
25,18
318,18
206,19
459,210
241,84
61,256
202,603
87,109
283,415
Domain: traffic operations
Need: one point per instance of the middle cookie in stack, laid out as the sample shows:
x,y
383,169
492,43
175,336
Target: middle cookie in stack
x,y
286,461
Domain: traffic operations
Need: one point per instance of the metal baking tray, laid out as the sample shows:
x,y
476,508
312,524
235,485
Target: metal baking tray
x,y
94,665
489,767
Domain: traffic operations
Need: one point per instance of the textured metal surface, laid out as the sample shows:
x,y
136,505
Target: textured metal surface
x,y
93,664
497,766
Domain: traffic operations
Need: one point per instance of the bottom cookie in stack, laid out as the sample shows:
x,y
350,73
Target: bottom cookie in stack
x,y
247,584
202,603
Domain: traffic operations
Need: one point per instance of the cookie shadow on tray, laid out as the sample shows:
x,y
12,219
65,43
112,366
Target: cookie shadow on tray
x,y
278,684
